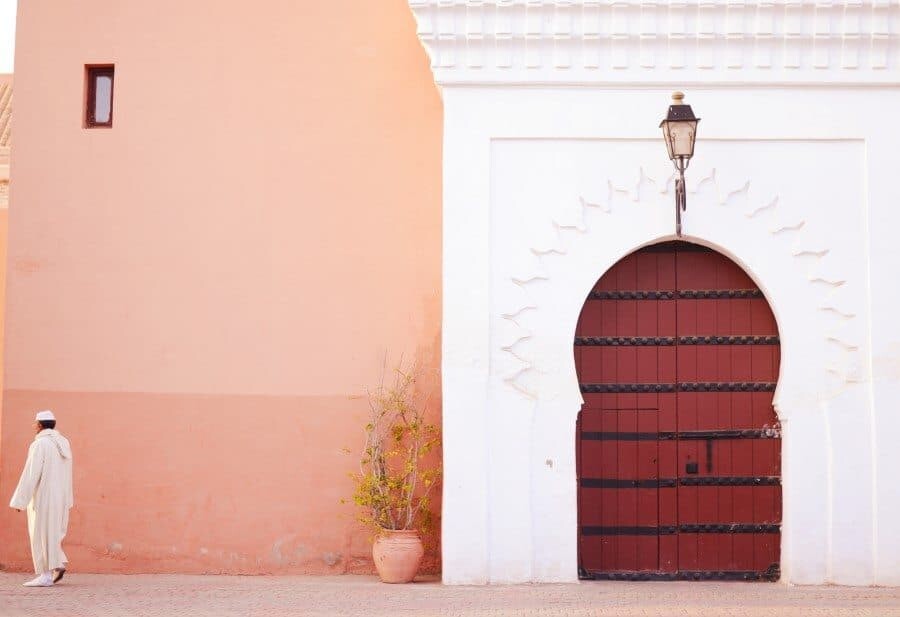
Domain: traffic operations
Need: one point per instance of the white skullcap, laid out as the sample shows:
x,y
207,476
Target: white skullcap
x,y
45,415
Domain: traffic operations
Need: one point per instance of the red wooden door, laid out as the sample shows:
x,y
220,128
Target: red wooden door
x,y
678,443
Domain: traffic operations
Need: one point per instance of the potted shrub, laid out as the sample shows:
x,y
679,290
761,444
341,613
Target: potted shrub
x,y
399,468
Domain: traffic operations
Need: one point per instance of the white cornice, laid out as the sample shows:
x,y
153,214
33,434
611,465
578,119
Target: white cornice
x,y
666,42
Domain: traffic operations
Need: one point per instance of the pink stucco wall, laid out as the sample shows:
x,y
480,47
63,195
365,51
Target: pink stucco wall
x,y
203,292
5,143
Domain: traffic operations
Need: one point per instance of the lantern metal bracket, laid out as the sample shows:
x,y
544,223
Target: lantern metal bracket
x,y
681,164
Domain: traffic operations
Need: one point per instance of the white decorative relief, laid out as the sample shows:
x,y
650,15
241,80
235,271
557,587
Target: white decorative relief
x,y
603,41
525,367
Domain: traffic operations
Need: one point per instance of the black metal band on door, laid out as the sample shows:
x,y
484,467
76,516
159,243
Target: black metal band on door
x,y
667,530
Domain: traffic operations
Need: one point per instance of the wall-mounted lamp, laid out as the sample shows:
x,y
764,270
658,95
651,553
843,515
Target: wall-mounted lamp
x,y
680,132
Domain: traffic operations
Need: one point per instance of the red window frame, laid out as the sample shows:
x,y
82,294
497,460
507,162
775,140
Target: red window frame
x,y
92,73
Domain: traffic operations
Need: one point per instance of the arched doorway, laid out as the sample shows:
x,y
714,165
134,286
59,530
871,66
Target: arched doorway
x,y
678,445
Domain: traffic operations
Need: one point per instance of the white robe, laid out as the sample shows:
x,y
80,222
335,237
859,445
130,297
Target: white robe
x,y
45,490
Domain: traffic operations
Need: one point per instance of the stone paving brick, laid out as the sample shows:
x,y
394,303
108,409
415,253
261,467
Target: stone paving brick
x,y
84,595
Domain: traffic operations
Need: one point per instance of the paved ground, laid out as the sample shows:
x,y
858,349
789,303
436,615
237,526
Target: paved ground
x,y
226,596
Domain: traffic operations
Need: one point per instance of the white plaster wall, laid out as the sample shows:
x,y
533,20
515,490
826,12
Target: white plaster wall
x,y
545,188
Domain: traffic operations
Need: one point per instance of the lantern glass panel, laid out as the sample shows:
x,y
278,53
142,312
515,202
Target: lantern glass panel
x,y
680,139
667,138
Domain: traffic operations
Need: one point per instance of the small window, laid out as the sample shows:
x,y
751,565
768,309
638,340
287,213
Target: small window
x,y
99,107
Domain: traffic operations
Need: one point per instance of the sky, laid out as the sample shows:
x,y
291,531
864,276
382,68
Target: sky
x,y
7,34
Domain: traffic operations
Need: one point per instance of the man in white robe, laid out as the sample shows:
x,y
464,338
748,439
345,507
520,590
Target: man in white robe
x,y
45,491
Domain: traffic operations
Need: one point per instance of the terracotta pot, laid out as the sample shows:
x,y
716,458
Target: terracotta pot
x,y
397,555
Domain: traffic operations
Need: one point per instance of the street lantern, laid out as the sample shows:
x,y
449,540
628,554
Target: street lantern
x,y
680,132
